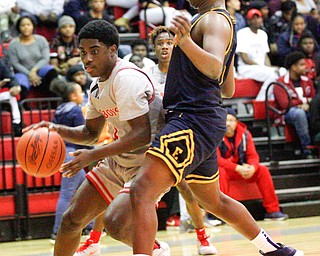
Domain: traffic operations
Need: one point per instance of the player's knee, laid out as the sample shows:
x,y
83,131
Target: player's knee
x,y
113,226
71,222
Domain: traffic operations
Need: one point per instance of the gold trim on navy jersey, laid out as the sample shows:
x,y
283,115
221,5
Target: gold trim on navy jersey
x,y
176,150
194,178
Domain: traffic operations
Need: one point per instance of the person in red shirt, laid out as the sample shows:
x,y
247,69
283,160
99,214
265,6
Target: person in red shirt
x,y
239,160
301,90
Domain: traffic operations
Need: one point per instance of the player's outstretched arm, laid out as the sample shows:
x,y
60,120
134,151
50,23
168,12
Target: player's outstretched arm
x,y
86,134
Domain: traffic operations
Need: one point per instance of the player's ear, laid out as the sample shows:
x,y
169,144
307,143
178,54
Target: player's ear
x,y
113,48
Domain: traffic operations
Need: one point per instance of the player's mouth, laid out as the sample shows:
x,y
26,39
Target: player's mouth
x,y
88,69
164,54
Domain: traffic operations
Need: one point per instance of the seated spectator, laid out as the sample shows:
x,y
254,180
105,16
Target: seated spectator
x,y
159,12
262,6
139,47
233,7
97,12
313,25
137,60
29,55
252,50
132,10
75,8
288,40
307,45
77,74
301,90
64,50
7,80
9,14
239,160
305,6
279,22
315,119
43,12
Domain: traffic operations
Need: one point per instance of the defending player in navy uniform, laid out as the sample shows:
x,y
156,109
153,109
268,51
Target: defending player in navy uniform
x,y
200,73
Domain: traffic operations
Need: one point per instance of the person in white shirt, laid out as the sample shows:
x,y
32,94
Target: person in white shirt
x,y
252,50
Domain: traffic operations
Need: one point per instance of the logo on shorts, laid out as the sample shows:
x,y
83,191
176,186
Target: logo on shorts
x,y
178,147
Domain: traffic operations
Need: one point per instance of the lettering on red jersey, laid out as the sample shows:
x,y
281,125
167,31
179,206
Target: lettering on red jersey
x,y
110,112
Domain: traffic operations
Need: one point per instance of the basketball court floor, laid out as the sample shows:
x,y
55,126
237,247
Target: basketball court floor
x,y
301,233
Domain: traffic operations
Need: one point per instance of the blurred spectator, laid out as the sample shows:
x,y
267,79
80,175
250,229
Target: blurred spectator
x,y
307,45
70,114
44,12
29,55
279,22
252,50
75,8
137,60
305,6
239,160
7,80
132,10
139,47
9,14
159,12
288,40
77,74
315,119
233,7
262,6
301,90
313,26
97,12
64,51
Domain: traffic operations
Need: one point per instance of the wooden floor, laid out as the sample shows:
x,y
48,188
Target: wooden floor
x,y
301,233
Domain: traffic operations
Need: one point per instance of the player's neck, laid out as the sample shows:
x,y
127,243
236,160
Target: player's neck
x,y
207,6
163,67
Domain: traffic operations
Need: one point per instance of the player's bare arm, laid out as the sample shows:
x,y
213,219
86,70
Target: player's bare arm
x,y
86,134
228,86
208,42
139,136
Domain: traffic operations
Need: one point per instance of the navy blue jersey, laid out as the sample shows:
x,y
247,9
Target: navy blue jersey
x,y
189,90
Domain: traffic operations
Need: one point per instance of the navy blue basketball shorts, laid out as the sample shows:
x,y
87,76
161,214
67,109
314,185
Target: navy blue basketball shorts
x,y
188,143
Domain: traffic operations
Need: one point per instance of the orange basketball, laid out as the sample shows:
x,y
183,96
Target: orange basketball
x,y
40,152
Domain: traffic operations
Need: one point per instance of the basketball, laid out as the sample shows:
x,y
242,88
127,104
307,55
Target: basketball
x,y
40,152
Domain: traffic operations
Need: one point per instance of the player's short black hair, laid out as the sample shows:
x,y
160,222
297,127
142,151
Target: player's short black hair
x,y
293,58
21,19
101,30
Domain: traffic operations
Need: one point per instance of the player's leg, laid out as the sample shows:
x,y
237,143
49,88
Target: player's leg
x,y
195,212
92,244
237,216
86,206
152,180
118,223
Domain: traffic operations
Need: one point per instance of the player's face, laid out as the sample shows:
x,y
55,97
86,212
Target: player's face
x,y
98,58
163,46
231,125
67,30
